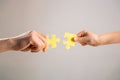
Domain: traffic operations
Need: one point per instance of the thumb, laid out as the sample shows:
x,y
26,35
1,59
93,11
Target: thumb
x,y
76,39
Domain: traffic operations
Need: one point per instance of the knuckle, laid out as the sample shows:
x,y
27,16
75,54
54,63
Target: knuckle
x,y
33,32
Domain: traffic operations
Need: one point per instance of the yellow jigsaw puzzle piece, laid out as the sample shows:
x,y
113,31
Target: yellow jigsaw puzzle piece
x,y
70,40
53,41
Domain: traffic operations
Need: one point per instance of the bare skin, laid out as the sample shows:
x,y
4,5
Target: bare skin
x,y
92,39
34,41
30,41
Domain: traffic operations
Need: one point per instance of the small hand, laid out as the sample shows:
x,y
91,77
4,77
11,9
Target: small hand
x,y
87,38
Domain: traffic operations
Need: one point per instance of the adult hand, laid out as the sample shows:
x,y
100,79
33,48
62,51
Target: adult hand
x,y
30,41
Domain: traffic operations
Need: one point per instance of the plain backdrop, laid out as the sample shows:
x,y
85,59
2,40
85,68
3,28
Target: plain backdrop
x,y
57,17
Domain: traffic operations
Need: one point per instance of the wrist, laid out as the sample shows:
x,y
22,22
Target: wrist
x,y
10,43
100,41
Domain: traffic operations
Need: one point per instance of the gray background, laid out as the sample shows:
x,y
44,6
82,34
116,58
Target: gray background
x,y
58,17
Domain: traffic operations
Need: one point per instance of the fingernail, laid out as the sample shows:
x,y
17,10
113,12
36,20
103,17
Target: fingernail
x,y
75,39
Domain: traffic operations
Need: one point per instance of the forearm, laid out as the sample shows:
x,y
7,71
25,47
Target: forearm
x,y
5,45
109,38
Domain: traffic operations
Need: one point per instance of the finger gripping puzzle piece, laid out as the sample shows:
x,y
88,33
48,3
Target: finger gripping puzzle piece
x,y
53,41
70,40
